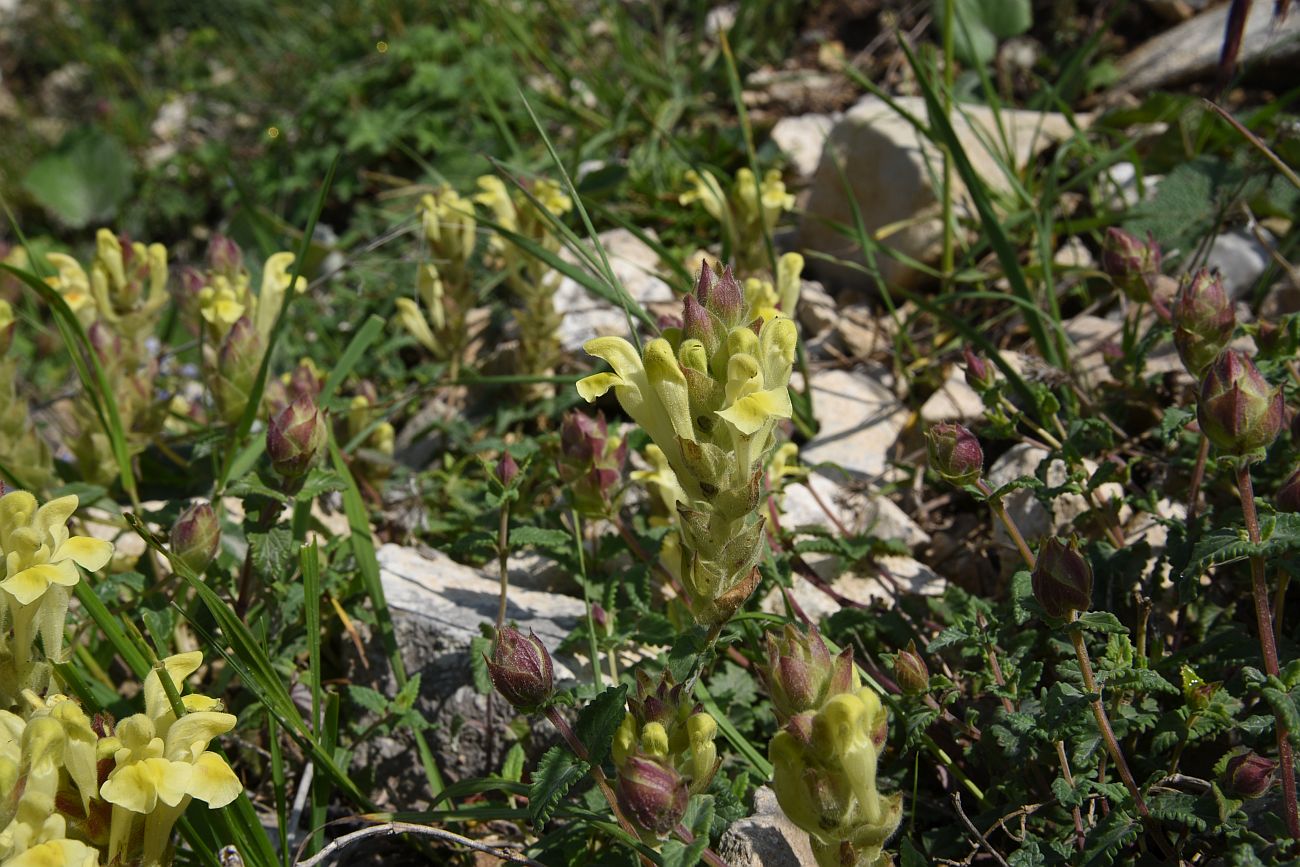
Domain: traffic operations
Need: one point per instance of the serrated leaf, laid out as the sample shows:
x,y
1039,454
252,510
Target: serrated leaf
x,y
1103,622
320,481
473,545
1139,678
1069,796
252,485
599,720
685,654
1279,534
1173,423
948,637
555,541
273,552
370,699
555,775
1023,604
406,696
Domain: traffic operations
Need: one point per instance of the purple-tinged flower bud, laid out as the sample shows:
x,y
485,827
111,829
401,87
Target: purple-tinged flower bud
x,y
1062,578
669,320
1248,775
1287,498
237,365
910,670
800,673
506,469
955,453
697,324
224,256
520,669
590,463
295,438
196,537
652,794
1238,410
603,620
704,283
979,373
1133,264
725,299
1203,320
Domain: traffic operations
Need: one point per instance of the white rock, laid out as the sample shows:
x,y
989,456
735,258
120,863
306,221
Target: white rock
x,y
1073,253
586,315
1030,516
802,138
1240,258
1191,49
860,421
766,838
817,309
953,401
893,575
1125,191
1089,336
890,169
856,512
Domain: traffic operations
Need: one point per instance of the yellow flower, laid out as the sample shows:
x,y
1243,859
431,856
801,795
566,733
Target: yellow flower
x,y
57,853
220,305
276,274
39,552
73,285
552,197
449,224
493,194
708,192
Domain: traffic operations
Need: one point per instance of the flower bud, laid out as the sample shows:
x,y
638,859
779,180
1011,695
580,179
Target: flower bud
x,y
979,373
910,670
800,673
1287,498
520,669
295,437
1238,410
1131,263
653,795
1203,320
196,536
955,453
1062,578
1248,775
506,469
726,298
224,256
697,324
237,365
106,343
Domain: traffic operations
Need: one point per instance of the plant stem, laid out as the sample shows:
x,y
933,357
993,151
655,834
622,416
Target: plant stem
x,y
1198,476
1012,530
580,750
1108,736
1268,645
503,556
1079,838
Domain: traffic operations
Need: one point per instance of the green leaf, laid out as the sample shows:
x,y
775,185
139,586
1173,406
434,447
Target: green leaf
x,y
1280,534
1173,423
599,720
512,768
980,24
1023,604
554,541
480,648
1103,622
556,773
273,552
85,180
320,481
371,699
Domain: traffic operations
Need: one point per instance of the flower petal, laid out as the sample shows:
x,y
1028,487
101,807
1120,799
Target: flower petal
x,y
597,384
30,584
213,782
749,413
55,514
90,554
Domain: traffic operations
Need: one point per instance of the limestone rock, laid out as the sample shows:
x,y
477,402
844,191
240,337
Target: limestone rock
x,y
802,138
886,578
437,606
767,838
1191,50
1240,258
889,169
953,401
1033,518
585,315
860,421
